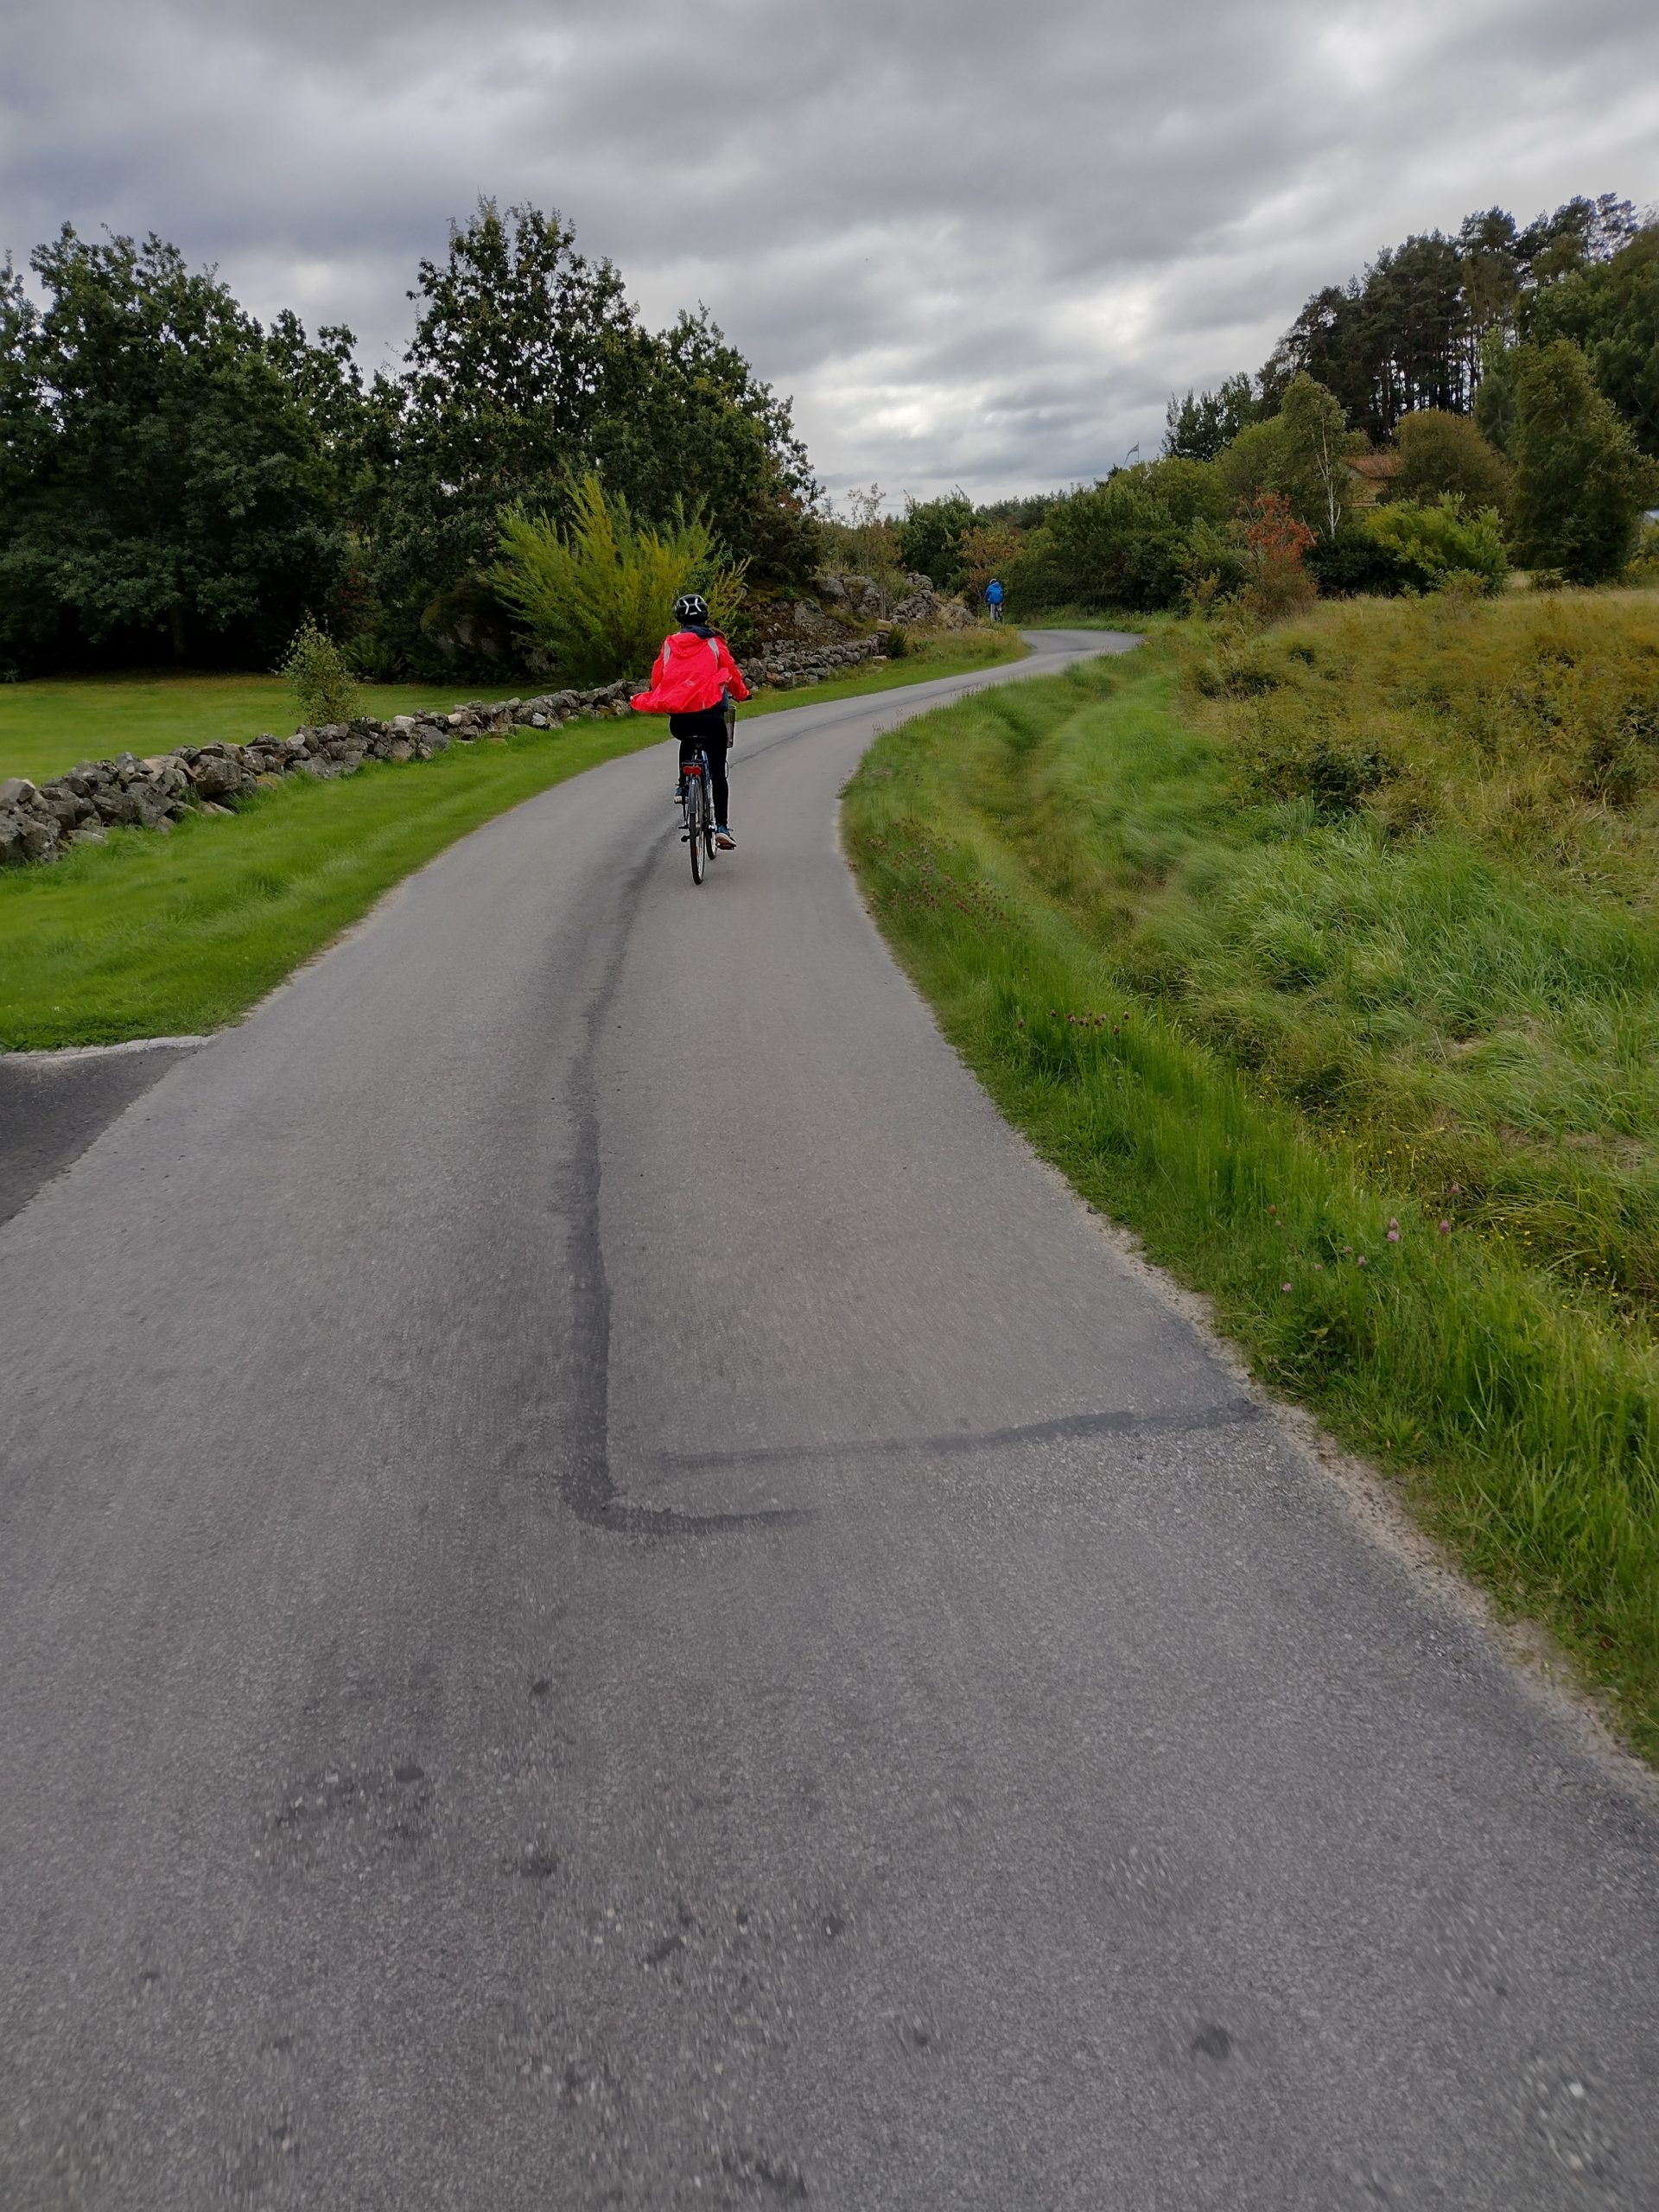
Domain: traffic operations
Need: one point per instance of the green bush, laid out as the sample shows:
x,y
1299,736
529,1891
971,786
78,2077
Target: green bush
x,y
1644,563
324,686
599,595
1431,544
1352,562
1336,779
1213,561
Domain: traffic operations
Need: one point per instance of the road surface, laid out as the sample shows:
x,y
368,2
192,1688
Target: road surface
x,y
610,1597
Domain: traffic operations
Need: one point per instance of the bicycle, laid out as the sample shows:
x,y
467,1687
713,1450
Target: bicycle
x,y
697,805
698,812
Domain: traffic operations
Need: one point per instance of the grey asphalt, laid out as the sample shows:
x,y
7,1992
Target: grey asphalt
x,y
610,1597
53,1105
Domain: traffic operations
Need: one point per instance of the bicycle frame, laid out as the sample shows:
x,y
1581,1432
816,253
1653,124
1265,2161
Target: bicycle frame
x,y
695,775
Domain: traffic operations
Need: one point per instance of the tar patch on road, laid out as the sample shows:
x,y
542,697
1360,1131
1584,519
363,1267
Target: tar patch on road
x,y
52,1108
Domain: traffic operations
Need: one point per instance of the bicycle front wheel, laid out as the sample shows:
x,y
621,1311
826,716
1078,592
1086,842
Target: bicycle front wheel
x,y
696,801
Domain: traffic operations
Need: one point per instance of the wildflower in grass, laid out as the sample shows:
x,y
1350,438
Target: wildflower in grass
x,y
1284,1286
1360,1261
1445,1228
1394,1236
1319,1266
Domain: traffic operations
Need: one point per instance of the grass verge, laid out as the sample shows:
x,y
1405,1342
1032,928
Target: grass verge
x,y
1518,1406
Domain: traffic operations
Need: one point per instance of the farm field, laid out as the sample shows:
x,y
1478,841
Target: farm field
x,y
1326,959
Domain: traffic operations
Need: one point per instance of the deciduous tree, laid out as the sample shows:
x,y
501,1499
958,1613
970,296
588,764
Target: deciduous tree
x,y
1581,481
163,472
1445,454
931,535
1611,310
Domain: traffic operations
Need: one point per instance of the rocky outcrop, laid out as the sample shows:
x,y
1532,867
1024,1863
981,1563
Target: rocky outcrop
x,y
38,822
924,607
918,606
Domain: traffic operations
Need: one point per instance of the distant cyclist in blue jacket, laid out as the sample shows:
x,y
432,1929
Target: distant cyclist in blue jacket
x,y
994,599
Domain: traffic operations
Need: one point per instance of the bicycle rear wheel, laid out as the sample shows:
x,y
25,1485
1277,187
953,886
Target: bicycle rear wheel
x,y
696,801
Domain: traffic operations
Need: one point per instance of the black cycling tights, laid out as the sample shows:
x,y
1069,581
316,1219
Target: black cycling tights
x,y
706,732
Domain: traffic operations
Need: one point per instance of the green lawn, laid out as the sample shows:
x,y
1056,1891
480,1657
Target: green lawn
x,y
49,725
1286,1038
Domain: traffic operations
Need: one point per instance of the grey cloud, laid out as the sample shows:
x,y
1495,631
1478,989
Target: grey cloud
x,y
975,246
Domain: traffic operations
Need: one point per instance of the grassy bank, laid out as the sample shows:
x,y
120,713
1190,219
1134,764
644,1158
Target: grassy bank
x,y
48,726
1289,951
150,936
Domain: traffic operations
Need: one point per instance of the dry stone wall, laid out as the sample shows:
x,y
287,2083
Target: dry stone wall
x,y
38,822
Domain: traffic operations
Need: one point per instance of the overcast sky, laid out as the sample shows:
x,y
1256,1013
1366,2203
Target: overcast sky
x,y
979,244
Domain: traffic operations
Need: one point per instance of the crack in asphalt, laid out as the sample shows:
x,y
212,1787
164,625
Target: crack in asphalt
x,y
585,1480
1235,1413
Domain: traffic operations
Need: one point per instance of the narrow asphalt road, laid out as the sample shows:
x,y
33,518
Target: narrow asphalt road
x,y
610,1597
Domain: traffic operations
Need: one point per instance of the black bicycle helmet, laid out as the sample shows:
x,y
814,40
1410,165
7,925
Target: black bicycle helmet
x,y
690,607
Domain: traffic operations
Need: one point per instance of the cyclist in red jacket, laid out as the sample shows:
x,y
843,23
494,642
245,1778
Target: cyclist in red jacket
x,y
694,677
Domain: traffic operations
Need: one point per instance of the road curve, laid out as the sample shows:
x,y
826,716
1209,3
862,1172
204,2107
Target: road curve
x,y
610,1597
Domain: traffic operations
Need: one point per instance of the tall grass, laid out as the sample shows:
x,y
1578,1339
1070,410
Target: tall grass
x,y
1129,952
1416,846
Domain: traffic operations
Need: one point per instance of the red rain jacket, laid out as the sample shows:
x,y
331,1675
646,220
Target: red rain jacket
x,y
691,673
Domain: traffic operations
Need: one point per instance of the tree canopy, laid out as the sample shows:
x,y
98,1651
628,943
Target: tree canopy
x,y
1443,454
163,475
176,478
1414,330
